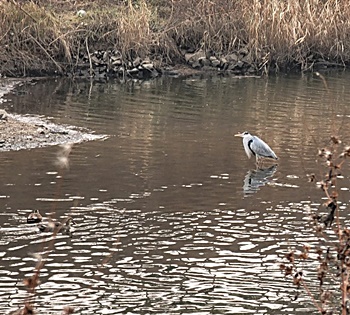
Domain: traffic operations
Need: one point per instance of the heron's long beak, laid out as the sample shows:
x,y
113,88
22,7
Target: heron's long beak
x,y
238,135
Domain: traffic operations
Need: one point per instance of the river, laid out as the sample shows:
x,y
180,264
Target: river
x,y
171,216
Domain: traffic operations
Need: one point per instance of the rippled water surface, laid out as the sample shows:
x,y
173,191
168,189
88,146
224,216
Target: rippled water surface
x,y
171,217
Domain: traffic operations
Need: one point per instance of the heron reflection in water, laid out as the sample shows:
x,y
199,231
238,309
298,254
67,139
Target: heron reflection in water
x,y
257,178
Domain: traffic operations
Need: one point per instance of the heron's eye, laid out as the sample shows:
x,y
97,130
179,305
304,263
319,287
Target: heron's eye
x,y
245,133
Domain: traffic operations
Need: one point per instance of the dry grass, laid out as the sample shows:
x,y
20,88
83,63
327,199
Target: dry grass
x,y
280,31
32,37
294,30
48,35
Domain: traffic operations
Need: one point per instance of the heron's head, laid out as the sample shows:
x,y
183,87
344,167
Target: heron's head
x,y
243,134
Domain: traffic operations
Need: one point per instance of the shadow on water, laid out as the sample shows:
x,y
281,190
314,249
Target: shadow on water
x,y
255,179
161,225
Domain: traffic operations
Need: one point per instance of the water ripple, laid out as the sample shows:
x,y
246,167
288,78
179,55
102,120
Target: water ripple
x,y
163,222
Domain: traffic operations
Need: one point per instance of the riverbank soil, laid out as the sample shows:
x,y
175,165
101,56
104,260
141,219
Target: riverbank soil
x,y
147,38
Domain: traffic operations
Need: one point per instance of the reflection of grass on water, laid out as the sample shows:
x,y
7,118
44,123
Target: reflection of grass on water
x,y
31,283
332,254
54,227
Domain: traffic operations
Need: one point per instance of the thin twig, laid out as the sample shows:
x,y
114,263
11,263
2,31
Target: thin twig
x,y
306,288
24,11
345,281
88,52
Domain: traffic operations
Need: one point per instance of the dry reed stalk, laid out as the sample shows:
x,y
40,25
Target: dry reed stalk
x,y
294,29
35,33
210,25
274,32
134,30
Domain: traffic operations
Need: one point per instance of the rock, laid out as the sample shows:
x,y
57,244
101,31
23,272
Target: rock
x,y
150,73
95,60
231,57
133,71
204,61
3,115
196,64
137,62
223,60
252,70
116,61
235,66
170,71
224,63
188,57
239,64
155,74
120,71
243,51
85,73
147,66
81,13
194,57
100,75
115,69
231,66
146,60
214,61
248,59
105,56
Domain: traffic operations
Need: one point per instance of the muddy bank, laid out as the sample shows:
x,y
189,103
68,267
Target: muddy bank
x,y
18,132
104,64
110,64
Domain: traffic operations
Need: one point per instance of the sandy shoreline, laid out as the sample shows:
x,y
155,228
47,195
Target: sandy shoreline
x,y
18,132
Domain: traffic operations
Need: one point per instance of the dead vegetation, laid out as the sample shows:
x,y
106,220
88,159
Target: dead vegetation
x,y
47,36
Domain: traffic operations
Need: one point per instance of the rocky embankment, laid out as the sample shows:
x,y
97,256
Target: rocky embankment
x,y
239,62
110,63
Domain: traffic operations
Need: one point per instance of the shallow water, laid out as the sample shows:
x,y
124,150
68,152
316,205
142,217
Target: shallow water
x,y
171,216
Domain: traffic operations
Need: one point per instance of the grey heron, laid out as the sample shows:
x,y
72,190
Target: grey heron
x,y
253,145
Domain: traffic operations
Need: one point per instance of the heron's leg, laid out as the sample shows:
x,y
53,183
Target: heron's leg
x,y
257,161
261,162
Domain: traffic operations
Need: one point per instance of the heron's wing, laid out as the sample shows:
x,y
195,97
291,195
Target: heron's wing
x,y
261,148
